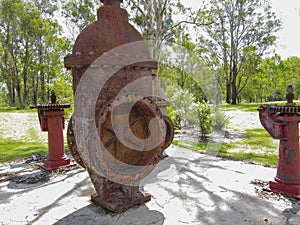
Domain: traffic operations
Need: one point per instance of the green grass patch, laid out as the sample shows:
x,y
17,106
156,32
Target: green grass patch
x,y
15,109
257,146
13,149
251,107
259,138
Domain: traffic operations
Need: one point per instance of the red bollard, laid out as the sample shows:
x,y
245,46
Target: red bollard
x,y
51,117
281,122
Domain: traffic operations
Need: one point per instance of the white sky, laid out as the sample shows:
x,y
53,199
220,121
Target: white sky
x,y
289,13
289,36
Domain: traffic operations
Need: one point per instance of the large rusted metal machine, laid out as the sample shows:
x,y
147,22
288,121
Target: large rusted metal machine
x,y
51,118
281,122
124,111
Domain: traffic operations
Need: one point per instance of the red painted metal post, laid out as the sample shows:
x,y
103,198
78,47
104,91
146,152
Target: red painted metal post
x,y
56,151
51,117
287,179
282,123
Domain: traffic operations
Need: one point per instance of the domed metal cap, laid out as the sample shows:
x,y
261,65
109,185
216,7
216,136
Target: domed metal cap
x,y
112,2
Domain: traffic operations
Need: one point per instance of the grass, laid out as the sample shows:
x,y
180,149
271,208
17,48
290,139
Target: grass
x,y
244,107
251,107
9,109
15,109
258,147
13,149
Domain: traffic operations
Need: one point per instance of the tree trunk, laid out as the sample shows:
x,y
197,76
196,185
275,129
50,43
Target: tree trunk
x,y
13,100
35,91
234,97
234,89
43,89
18,89
228,92
25,72
25,89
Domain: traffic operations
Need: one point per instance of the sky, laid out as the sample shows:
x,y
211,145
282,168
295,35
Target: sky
x,y
289,36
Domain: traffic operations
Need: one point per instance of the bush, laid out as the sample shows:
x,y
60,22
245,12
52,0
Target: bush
x,y
204,119
220,120
175,118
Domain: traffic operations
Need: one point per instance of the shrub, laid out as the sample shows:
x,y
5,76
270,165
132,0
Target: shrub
x,y
204,119
220,120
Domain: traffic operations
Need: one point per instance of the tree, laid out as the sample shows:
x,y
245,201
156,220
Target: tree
x,y
160,20
154,18
292,73
271,79
78,14
239,34
31,50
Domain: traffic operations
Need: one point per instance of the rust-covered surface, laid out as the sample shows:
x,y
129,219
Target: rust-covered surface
x,y
126,154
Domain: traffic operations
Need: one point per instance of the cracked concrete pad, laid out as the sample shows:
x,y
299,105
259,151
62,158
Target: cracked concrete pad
x,y
186,188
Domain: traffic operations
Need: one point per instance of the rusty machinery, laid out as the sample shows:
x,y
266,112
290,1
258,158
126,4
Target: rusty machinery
x,y
116,168
281,122
51,118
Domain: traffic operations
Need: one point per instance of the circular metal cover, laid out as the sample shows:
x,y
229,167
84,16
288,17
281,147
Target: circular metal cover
x,y
130,138
169,131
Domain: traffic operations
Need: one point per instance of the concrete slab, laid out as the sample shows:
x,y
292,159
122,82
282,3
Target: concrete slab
x,y
187,188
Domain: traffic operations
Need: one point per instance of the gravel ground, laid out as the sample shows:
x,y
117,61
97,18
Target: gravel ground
x,y
25,126
22,127
240,120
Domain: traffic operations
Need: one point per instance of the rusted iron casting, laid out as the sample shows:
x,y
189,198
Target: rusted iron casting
x,y
116,168
51,117
281,122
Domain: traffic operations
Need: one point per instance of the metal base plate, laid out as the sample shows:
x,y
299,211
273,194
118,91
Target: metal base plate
x,y
57,165
118,205
284,189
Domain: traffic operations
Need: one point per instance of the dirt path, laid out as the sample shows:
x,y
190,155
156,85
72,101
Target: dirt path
x,y
241,120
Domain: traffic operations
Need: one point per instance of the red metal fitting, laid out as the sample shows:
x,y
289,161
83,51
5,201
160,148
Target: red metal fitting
x,y
281,122
51,117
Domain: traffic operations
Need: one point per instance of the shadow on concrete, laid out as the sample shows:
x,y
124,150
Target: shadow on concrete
x,y
290,213
222,204
92,214
46,209
39,179
187,188
20,187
